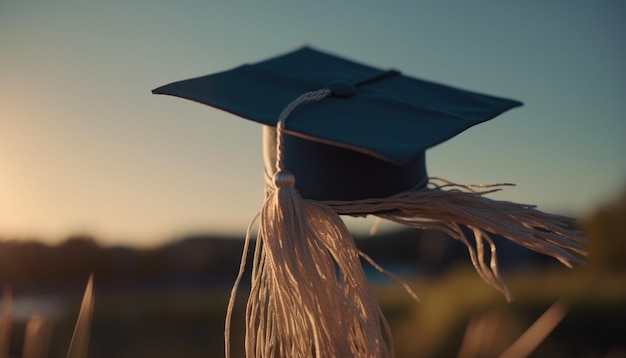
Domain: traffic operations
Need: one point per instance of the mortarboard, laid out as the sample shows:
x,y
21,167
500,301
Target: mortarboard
x,y
342,137
375,126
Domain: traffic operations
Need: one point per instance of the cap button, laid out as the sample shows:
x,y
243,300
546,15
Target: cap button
x,y
342,88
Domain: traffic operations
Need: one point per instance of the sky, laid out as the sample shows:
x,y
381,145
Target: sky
x,y
85,148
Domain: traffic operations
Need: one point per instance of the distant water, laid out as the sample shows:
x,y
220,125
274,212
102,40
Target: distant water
x,y
403,271
25,307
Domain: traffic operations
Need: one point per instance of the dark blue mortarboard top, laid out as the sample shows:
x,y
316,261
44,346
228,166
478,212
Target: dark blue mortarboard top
x,y
383,114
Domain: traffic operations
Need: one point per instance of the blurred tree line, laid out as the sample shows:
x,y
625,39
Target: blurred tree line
x,y
71,262
206,260
191,260
606,231
202,259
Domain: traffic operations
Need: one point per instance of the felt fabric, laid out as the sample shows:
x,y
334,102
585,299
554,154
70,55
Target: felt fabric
x,y
382,113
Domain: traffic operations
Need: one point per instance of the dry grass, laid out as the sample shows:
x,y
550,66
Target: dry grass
x,y
38,331
459,316
460,304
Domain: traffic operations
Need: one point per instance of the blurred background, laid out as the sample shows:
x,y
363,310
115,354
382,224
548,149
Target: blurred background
x,y
152,194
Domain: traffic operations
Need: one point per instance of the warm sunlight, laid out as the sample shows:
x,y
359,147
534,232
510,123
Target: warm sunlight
x,y
151,195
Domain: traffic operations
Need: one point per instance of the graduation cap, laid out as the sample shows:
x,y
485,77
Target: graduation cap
x,y
366,139
341,137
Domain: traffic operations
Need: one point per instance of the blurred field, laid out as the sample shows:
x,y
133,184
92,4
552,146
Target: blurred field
x,y
189,322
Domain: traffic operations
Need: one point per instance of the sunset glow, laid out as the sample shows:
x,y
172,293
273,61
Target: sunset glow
x,y
85,147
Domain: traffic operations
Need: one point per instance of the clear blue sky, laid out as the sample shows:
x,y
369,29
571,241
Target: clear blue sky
x,y
85,147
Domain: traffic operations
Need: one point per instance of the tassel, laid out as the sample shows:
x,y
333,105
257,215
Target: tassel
x,y
462,206
309,295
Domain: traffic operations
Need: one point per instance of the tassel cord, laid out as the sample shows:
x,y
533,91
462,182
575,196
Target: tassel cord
x,y
317,284
498,217
446,211
308,97
233,292
307,280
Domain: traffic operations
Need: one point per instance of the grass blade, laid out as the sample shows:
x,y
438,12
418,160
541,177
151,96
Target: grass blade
x,y
37,338
536,333
5,322
80,339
